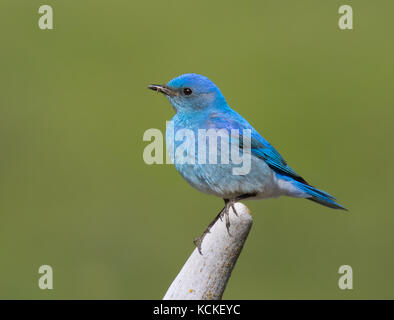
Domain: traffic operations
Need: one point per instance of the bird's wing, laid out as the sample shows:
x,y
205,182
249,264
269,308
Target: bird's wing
x,y
260,147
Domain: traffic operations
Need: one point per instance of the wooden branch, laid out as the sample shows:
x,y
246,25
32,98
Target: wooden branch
x,y
204,277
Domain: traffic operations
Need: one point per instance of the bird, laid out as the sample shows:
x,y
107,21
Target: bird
x,y
199,104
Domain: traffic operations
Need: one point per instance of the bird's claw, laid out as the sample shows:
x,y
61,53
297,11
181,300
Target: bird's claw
x,y
197,242
235,211
225,212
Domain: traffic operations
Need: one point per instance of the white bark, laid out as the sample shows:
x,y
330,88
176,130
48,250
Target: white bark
x,y
204,277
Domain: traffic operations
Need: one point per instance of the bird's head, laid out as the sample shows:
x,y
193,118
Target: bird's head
x,y
191,93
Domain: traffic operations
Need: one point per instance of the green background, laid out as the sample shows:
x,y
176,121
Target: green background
x,y
76,194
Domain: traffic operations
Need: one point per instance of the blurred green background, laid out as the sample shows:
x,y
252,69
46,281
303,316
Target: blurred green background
x,y
76,194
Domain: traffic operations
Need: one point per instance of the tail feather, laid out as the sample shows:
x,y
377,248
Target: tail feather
x,y
319,196
328,203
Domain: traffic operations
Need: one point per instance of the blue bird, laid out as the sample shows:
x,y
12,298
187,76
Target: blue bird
x,y
199,104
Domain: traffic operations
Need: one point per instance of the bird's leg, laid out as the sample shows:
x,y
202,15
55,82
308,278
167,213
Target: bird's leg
x,y
224,212
241,197
245,196
198,241
235,211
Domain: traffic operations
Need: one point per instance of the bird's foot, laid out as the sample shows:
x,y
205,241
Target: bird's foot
x,y
198,241
224,213
235,211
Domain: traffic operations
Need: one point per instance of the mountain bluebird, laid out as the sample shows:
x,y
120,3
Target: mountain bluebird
x,y
199,104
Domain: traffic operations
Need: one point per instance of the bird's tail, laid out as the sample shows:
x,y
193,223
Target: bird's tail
x,y
319,196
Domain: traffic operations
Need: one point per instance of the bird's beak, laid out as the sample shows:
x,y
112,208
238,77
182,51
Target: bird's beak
x,y
163,89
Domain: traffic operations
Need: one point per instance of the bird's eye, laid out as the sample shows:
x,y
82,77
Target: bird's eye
x,y
187,91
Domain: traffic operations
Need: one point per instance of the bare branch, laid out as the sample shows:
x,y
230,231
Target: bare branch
x,y
204,277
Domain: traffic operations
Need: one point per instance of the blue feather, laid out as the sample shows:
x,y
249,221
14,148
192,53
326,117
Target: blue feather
x,y
262,149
